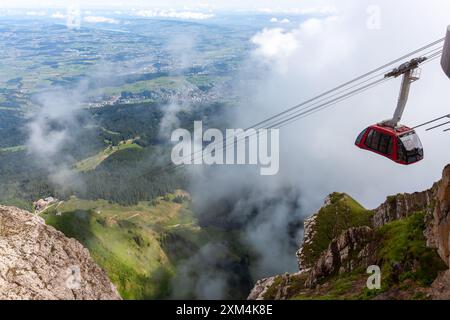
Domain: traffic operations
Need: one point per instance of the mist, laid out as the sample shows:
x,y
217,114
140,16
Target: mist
x,y
317,155
288,65
59,119
51,127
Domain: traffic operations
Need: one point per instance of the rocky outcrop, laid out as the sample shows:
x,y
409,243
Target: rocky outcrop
x,y
440,289
438,232
338,240
338,213
350,250
402,205
260,289
278,287
308,235
39,262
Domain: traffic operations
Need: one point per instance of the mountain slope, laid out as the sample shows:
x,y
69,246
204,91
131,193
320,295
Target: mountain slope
x,y
151,250
408,237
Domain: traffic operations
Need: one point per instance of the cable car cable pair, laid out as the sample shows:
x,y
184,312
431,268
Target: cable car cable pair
x,y
438,126
292,114
431,121
307,110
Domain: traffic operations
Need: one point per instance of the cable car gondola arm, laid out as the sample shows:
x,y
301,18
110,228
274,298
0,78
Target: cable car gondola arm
x,y
408,70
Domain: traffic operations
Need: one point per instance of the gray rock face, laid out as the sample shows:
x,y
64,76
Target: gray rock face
x,y
308,235
283,285
400,206
260,288
345,253
438,232
39,262
440,289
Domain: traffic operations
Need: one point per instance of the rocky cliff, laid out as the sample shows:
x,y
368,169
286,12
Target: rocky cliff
x,y
402,205
407,237
39,262
438,231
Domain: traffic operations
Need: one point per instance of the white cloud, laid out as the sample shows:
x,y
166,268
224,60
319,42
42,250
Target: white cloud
x,y
273,43
324,10
188,15
276,20
58,15
276,46
96,19
36,13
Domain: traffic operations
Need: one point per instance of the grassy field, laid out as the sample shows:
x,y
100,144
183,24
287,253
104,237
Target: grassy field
x,y
143,247
126,241
140,86
93,162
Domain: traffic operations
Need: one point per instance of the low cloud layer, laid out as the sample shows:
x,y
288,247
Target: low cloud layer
x,y
98,19
51,128
173,14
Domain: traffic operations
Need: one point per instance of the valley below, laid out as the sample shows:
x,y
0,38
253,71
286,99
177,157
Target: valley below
x,y
92,205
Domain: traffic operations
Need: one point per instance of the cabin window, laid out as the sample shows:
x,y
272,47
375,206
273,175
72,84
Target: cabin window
x,y
373,140
385,144
411,141
411,146
380,142
360,137
369,138
401,152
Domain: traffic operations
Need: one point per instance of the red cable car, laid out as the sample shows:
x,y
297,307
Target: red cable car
x,y
389,139
401,144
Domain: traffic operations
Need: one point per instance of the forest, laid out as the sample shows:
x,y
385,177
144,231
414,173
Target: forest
x,y
126,177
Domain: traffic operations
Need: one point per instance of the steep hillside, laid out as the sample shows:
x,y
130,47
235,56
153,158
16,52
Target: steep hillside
x,y
408,237
39,262
141,247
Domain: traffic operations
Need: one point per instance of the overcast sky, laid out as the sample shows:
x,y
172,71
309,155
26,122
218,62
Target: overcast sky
x,y
175,4
319,54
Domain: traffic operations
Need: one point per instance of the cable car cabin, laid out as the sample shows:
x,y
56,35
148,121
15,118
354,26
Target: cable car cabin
x,y
401,145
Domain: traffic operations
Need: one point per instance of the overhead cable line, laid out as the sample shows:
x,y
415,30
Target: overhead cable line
x,y
431,121
302,113
438,126
352,81
274,121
